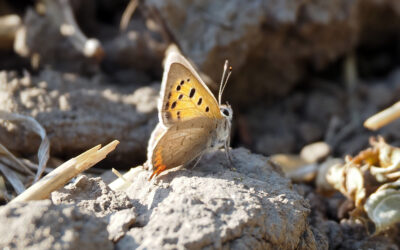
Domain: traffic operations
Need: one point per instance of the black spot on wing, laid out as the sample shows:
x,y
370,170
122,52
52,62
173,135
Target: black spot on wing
x,y
182,82
180,96
207,109
167,105
173,105
200,100
192,92
178,87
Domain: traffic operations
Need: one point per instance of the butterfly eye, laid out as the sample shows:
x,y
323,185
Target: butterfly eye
x,y
225,112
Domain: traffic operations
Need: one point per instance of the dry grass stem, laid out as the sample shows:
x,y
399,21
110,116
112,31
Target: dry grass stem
x,y
62,14
12,178
128,13
31,123
384,117
13,162
65,172
9,25
124,181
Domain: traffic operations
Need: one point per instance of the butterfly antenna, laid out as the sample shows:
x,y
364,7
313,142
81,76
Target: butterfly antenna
x,y
225,76
222,81
226,80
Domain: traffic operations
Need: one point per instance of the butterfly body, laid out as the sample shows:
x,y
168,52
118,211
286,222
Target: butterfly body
x,y
192,122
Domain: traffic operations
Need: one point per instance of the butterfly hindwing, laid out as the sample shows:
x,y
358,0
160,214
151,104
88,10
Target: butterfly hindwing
x,y
181,143
184,95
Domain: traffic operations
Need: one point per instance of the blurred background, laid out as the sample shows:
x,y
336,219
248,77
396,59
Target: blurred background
x,y
303,70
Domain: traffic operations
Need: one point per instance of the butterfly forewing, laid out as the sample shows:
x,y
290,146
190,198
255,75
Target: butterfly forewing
x,y
185,97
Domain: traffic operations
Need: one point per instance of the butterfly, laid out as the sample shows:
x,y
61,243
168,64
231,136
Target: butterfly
x,y
191,121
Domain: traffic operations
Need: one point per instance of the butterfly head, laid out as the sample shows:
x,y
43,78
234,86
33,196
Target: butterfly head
x,y
224,127
226,111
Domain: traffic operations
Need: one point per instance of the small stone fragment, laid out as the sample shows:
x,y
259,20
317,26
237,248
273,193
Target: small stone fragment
x,y
315,152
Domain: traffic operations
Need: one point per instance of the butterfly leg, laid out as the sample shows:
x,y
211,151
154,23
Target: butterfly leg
x,y
156,172
228,154
197,160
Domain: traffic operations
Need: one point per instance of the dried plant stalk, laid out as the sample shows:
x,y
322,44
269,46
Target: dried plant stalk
x,y
65,172
124,181
384,117
128,13
9,25
31,123
12,177
60,11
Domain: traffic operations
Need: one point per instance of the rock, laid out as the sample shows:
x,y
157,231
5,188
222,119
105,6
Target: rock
x,y
294,167
59,50
315,152
272,143
272,44
134,55
78,113
310,132
380,95
288,33
321,106
119,223
42,225
92,196
272,129
210,206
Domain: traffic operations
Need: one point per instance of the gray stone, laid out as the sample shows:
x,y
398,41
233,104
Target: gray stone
x,y
78,113
250,206
42,225
120,222
272,44
92,196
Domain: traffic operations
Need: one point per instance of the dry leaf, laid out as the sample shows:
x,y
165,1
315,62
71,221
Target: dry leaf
x,y
371,180
383,206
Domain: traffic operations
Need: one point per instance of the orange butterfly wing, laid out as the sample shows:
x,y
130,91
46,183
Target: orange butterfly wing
x,y
184,95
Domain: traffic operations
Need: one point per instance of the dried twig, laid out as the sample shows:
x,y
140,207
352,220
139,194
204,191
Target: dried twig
x,y
126,16
64,173
351,81
384,117
13,162
124,181
9,25
61,12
